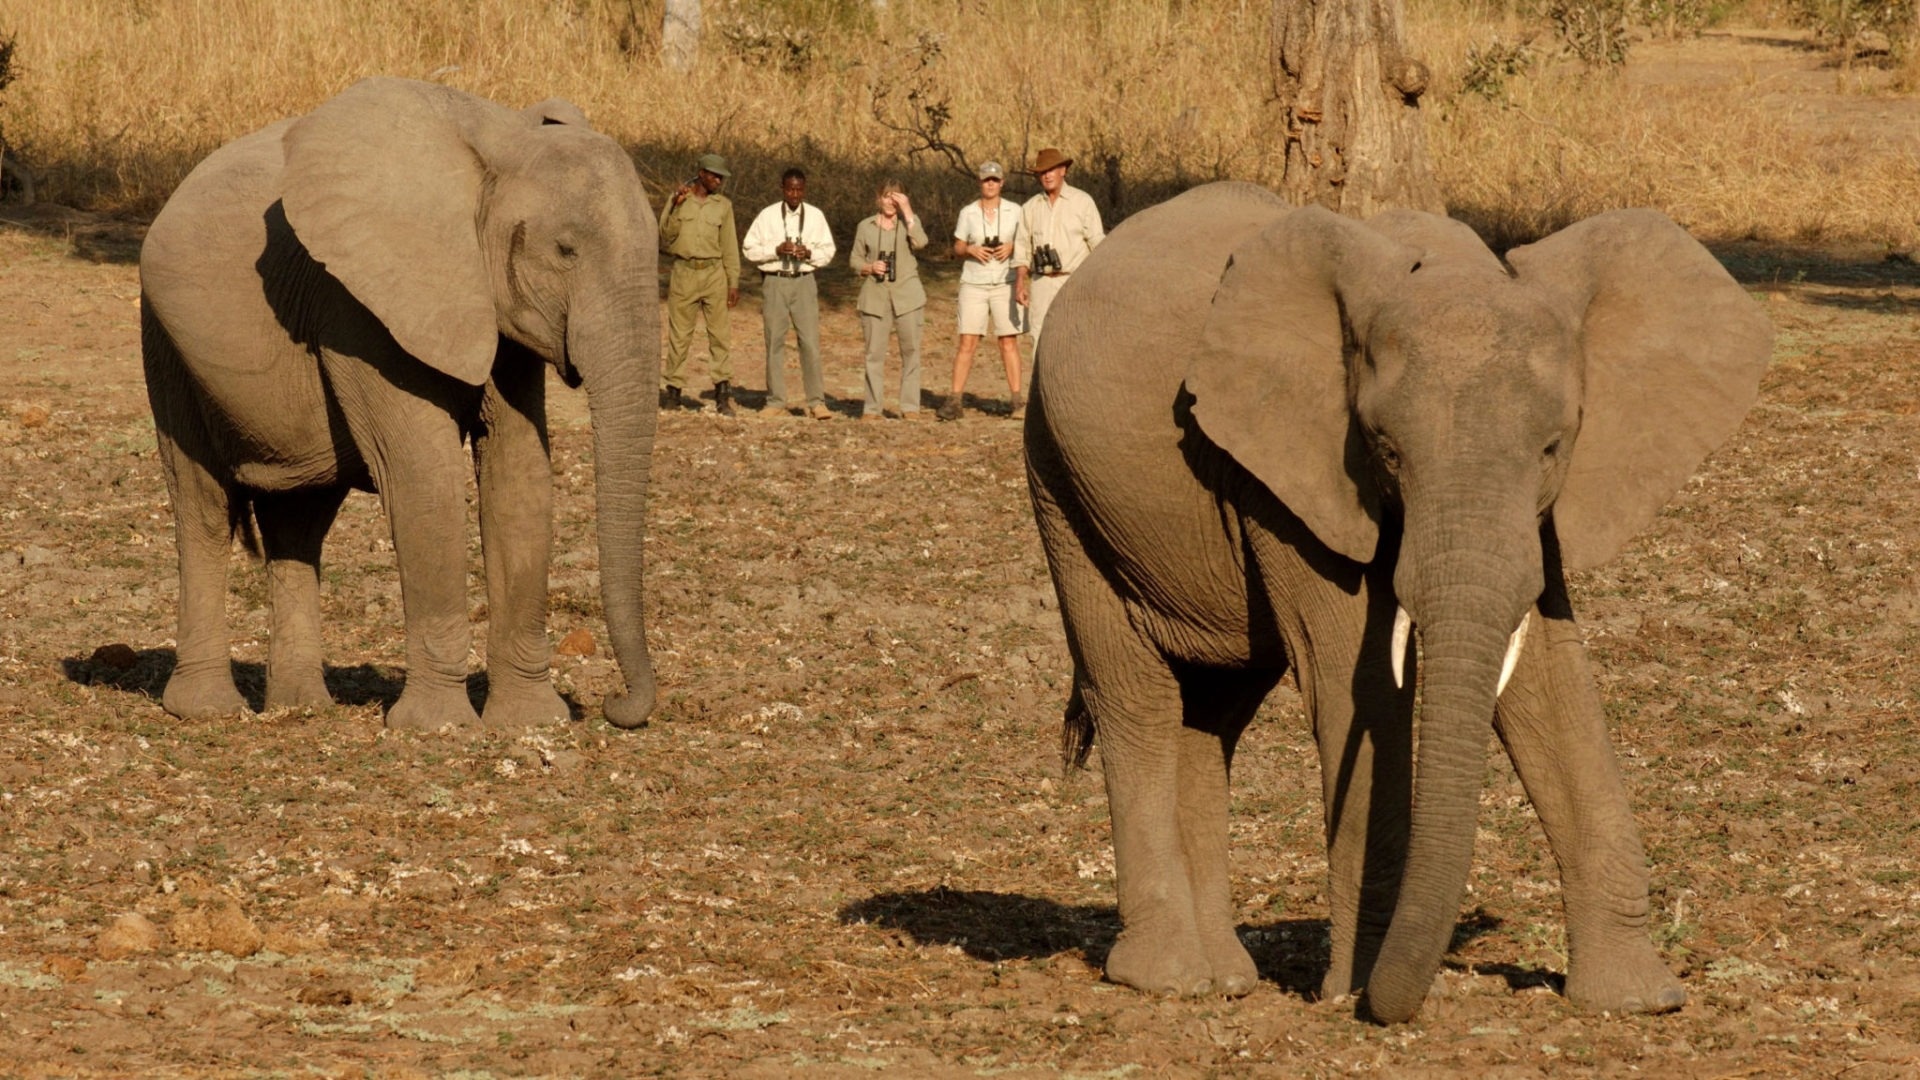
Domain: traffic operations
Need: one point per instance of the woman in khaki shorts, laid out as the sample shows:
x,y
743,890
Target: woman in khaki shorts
x,y
984,237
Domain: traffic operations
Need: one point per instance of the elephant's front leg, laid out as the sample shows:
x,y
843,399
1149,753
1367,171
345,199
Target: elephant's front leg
x,y
1340,634
1366,775
401,417
1551,722
515,477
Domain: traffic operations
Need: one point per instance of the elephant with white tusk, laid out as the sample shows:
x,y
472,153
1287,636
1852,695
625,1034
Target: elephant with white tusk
x,y
1263,438
343,300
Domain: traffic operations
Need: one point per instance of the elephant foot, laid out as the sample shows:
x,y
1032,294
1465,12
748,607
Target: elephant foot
x,y
431,710
519,705
1627,979
1153,963
200,695
305,692
1338,981
1234,973
1346,973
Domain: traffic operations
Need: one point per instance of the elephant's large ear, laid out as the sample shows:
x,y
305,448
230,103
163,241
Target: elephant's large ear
x,y
557,111
1674,352
1269,380
383,186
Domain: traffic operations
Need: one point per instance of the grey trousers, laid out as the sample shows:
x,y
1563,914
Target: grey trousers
x,y
876,329
792,302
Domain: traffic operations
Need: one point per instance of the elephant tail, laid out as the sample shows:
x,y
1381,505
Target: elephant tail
x,y
241,524
1076,732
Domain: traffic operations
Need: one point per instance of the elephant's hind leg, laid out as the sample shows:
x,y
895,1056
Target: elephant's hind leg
x,y
1134,699
1217,707
1551,722
1135,703
203,517
293,525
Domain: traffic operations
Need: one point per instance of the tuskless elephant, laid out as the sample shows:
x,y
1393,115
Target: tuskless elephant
x,y
342,301
1264,438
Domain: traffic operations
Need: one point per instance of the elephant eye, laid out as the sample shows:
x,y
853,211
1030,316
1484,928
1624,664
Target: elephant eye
x,y
567,250
1553,449
1389,457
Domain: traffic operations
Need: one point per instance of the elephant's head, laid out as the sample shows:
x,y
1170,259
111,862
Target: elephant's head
x,y
459,223
1396,375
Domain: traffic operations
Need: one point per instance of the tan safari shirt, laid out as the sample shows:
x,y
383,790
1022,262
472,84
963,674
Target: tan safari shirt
x,y
702,229
904,293
1071,225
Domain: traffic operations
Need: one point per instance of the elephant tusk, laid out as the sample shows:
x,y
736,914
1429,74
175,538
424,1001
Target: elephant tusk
x,y
1402,630
1513,653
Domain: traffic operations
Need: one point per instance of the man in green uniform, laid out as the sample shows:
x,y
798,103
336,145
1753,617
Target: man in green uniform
x,y
697,232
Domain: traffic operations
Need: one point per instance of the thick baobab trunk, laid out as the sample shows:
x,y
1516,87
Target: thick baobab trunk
x,y
680,34
1351,107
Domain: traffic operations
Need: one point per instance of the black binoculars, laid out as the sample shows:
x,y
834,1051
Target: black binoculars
x,y
887,257
991,241
1046,260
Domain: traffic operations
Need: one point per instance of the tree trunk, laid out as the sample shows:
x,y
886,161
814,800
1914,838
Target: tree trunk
x,y
680,34
1351,107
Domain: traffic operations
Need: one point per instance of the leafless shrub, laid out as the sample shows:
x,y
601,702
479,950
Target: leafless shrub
x,y
1595,31
1490,65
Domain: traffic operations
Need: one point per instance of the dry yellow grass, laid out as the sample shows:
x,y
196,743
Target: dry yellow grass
x,y
1739,160
118,98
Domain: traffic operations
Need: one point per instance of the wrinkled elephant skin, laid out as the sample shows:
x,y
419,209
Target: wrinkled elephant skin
x,y
343,300
1264,439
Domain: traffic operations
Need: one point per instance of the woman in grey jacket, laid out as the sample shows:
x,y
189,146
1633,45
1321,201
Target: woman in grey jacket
x,y
892,300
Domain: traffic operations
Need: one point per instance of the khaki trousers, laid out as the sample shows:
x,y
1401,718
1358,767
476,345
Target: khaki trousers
x,y
876,329
696,286
1040,294
792,302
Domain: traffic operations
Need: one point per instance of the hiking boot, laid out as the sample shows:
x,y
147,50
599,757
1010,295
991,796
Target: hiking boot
x,y
820,412
723,397
950,408
1018,410
670,397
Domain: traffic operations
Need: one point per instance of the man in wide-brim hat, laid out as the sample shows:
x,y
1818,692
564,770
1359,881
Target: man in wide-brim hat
x,y
1062,227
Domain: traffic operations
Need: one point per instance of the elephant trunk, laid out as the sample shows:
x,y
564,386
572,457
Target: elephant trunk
x,y
617,353
1466,598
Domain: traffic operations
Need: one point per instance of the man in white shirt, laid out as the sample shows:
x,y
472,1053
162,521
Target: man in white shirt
x,y
788,242
984,236
1061,228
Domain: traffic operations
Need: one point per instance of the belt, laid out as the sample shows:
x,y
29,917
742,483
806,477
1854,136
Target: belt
x,y
1056,273
693,261
785,273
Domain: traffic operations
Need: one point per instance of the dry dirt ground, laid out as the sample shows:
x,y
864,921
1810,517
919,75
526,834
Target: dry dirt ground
x,y
845,846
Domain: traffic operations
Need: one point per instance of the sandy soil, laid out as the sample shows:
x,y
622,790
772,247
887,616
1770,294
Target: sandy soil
x,y
845,847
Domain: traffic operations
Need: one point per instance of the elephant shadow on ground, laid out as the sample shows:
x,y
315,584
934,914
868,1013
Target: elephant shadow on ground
x,y
145,672
996,927
1291,954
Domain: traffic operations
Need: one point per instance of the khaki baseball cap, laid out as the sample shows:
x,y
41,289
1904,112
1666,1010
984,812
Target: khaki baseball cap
x,y
990,168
